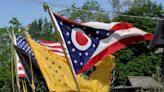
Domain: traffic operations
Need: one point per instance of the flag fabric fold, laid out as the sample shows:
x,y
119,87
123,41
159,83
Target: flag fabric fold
x,y
103,73
88,43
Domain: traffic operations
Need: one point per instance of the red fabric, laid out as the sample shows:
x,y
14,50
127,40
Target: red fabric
x,y
121,26
22,75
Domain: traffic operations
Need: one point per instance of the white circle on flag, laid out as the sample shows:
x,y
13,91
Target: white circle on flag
x,y
80,40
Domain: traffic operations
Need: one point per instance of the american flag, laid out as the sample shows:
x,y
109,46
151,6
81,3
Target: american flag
x,y
22,44
20,70
88,43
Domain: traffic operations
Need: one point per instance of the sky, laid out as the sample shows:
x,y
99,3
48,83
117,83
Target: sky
x,y
28,10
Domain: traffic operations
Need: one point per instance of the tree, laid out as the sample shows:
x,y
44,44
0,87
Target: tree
x,y
42,29
15,23
89,11
5,61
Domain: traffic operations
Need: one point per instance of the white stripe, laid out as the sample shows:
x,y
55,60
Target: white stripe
x,y
100,25
130,32
19,65
58,49
51,44
116,36
21,72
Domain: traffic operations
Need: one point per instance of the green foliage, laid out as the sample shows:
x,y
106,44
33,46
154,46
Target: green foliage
x,y
5,62
134,61
145,8
157,75
15,24
89,11
42,29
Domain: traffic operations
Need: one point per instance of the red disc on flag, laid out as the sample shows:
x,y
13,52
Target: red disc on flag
x,y
80,40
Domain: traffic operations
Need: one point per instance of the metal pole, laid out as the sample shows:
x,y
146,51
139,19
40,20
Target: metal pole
x,y
46,7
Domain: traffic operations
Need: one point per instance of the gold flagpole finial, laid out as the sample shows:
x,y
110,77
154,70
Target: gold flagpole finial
x,y
45,6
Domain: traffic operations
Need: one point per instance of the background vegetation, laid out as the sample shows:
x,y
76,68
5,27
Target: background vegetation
x,y
135,59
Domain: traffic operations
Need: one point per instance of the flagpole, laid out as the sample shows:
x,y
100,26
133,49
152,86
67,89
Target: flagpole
x,y
12,62
15,62
55,25
14,59
32,76
31,68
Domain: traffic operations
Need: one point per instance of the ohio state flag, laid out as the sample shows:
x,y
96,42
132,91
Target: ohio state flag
x,y
88,43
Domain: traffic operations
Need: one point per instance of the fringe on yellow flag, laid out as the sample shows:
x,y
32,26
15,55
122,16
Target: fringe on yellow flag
x,y
58,77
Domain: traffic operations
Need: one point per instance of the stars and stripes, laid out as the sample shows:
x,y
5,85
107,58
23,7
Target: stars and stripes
x,y
22,44
87,43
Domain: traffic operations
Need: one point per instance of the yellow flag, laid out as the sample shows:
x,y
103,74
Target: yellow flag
x,y
56,73
58,76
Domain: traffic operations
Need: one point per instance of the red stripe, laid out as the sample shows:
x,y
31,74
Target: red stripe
x,y
57,51
113,48
20,68
121,26
54,46
22,75
47,42
65,19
